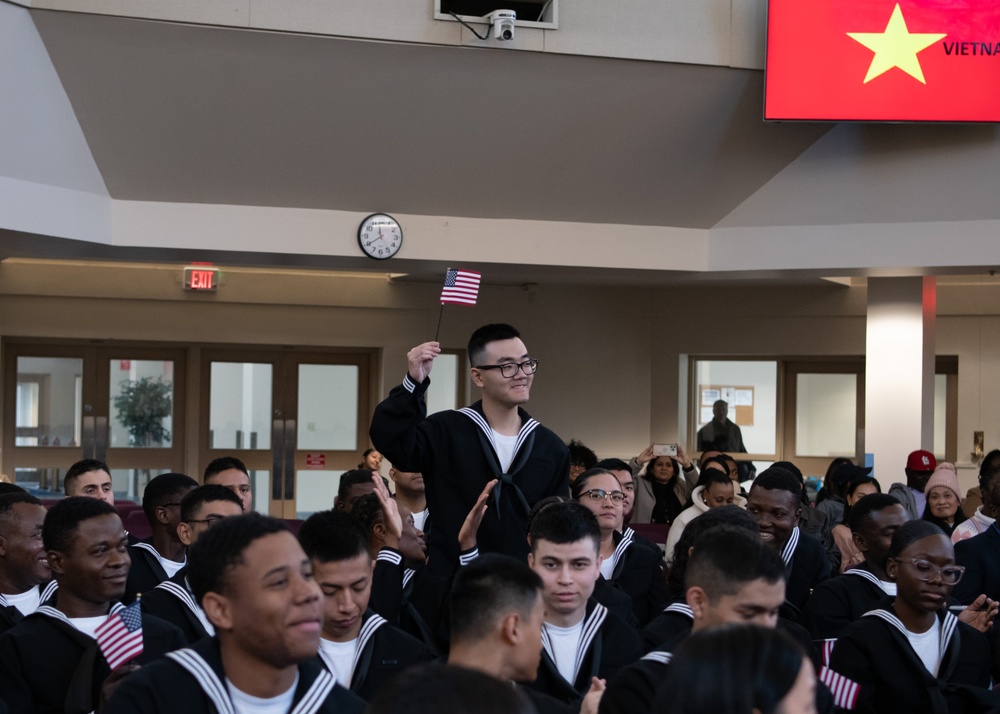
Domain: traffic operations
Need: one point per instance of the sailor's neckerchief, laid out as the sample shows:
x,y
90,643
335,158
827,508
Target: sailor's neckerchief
x,y
591,627
368,628
185,595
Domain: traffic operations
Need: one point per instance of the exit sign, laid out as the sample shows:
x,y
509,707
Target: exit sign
x,y
201,279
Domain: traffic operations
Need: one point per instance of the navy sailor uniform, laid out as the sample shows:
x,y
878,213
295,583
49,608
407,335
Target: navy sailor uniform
x,y
455,452
173,601
10,615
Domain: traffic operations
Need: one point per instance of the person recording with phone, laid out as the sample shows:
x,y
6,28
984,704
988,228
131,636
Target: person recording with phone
x,y
661,491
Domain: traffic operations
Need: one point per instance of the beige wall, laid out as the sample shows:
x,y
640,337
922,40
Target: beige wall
x,y
612,359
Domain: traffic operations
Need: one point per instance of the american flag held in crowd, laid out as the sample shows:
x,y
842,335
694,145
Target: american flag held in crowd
x,y
120,637
461,287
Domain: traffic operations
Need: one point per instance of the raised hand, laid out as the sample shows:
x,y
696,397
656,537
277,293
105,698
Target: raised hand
x,y
420,360
393,521
980,613
467,533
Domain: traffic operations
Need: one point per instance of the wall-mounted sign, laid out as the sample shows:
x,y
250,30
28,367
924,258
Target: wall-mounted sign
x,y
201,279
883,60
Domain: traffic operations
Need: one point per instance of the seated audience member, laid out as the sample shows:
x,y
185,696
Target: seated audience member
x,y
371,460
404,592
360,648
731,577
842,536
232,473
353,485
51,661
812,521
435,688
913,655
980,520
164,555
775,502
838,602
496,613
715,490
829,489
661,492
834,506
634,569
625,477
172,600
25,579
919,467
89,478
677,616
712,672
944,503
255,585
980,556
411,493
581,459
581,639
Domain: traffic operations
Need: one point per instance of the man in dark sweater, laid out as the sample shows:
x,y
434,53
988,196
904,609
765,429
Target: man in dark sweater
x,y
459,452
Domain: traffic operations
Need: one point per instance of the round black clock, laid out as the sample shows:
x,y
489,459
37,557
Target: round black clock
x,y
380,236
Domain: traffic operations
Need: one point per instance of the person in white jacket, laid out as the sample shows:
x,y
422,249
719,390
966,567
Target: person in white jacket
x,y
716,490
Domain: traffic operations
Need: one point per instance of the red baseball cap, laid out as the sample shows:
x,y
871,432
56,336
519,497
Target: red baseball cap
x,y
921,461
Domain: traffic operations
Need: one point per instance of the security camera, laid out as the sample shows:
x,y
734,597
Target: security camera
x,y
503,24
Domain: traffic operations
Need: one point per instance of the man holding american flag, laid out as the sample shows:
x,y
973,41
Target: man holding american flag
x,y
69,654
461,452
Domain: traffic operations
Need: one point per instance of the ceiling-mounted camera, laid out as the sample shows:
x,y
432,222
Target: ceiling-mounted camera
x,y
503,24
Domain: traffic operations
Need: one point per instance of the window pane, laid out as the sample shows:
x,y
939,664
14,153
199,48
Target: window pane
x,y
48,401
129,484
315,491
750,389
826,410
240,406
442,395
328,407
260,489
142,403
940,413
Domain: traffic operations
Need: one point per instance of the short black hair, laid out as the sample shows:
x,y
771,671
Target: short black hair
x,y
725,559
778,479
221,548
485,590
709,476
201,495
64,517
163,489
790,468
718,459
367,511
433,688
863,509
223,463
485,335
352,478
733,516
581,454
6,488
577,487
756,665
7,503
81,467
613,464
329,536
562,523
910,532
988,468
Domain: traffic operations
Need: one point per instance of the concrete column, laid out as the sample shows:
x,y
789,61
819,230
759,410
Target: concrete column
x,y
899,372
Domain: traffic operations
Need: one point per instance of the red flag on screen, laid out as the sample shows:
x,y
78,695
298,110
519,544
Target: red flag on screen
x,y
120,637
460,287
883,60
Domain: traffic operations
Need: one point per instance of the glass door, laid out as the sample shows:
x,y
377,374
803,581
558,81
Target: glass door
x,y
122,404
297,419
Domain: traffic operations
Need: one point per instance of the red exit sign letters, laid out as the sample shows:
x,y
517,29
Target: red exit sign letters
x,y
201,279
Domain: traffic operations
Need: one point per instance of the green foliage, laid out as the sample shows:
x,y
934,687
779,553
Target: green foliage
x,y
142,406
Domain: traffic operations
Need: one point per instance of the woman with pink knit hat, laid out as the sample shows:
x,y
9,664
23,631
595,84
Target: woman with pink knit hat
x,y
943,500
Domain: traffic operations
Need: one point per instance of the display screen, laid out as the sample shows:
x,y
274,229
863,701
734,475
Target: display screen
x,y
883,60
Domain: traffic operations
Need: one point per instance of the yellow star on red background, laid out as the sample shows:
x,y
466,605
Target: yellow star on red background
x,y
896,47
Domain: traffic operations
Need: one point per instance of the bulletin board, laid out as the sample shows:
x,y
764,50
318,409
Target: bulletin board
x,y
739,398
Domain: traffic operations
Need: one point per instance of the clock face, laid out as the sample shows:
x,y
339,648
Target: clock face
x,y
380,236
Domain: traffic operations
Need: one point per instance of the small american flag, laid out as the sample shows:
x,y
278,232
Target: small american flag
x,y
845,691
460,287
120,637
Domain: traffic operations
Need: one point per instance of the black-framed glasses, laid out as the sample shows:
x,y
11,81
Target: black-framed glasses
x,y
509,369
950,574
599,494
210,521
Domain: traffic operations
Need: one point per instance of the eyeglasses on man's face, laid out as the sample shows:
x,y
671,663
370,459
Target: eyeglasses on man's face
x,y
599,494
509,369
926,570
210,522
